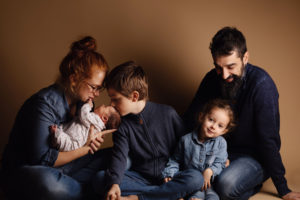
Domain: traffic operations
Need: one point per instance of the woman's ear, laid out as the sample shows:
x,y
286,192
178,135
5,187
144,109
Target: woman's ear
x,y
73,80
135,95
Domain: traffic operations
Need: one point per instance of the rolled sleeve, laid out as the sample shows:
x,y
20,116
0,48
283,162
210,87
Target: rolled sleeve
x,y
38,139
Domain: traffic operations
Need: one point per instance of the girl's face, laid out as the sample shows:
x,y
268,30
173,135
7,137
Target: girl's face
x,y
215,123
90,88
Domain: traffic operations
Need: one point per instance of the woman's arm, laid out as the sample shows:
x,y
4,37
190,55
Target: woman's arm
x,y
92,145
68,156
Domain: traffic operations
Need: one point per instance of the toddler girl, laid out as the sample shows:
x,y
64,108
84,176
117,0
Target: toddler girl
x,y
204,149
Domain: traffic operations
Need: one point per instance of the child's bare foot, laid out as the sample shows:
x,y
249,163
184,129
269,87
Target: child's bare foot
x,y
130,197
194,198
181,199
53,128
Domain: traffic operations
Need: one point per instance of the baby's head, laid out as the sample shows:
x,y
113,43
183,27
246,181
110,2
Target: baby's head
x,y
110,117
216,119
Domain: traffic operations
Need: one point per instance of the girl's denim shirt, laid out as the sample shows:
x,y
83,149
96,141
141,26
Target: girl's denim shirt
x,y
191,153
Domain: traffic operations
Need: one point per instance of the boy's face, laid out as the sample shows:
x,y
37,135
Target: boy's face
x,y
215,123
122,104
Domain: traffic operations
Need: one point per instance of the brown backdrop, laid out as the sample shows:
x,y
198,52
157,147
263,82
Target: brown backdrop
x,y
169,39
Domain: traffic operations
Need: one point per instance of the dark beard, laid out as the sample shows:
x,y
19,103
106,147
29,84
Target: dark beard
x,y
230,90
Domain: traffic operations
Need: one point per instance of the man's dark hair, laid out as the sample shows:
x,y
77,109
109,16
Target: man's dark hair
x,y
226,40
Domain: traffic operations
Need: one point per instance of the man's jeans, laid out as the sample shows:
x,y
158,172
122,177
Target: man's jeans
x,y
241,179
66,182
182,184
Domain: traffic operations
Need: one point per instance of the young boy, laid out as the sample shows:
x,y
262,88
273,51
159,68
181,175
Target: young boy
x,y
75,134
148,135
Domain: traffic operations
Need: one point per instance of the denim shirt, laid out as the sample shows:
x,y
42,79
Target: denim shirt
x,y
29,141
191,153
257,112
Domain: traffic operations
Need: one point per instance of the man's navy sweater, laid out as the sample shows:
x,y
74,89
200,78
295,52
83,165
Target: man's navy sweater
x,y
257,111
149,139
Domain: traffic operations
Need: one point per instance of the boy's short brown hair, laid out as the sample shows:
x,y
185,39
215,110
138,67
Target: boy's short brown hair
x,y
127,78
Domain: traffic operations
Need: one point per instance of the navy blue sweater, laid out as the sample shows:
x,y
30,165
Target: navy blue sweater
x,y
256,108
149,138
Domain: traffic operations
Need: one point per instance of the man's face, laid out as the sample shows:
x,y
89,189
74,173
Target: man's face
x,y
230,66
230,70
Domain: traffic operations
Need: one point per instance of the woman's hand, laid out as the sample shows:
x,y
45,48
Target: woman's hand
x,y
95,141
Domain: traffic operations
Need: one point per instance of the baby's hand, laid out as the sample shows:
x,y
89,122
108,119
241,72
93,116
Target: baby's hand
x,y
90,102
53,128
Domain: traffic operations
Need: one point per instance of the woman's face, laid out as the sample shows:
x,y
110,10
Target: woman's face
x,y
90,88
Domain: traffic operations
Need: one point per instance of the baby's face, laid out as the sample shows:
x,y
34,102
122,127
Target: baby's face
x,y
104,110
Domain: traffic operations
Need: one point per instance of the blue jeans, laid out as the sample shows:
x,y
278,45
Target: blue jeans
x,y
209,194
241,179
182,184
67,182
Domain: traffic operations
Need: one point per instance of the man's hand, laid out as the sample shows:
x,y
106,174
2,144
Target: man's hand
x,y
207,176
95,140
292,196
167,179
114,193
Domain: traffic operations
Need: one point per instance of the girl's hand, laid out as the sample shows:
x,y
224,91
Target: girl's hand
x,y
95,140
167,179
227,163
207,176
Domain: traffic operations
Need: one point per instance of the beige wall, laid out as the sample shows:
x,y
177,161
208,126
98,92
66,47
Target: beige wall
x,y
168,38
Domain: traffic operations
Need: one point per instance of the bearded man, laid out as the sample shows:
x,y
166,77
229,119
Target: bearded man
x,y
253,147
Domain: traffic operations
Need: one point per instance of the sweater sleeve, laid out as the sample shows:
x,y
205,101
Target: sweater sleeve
x,y
173,165
115,172
267,126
